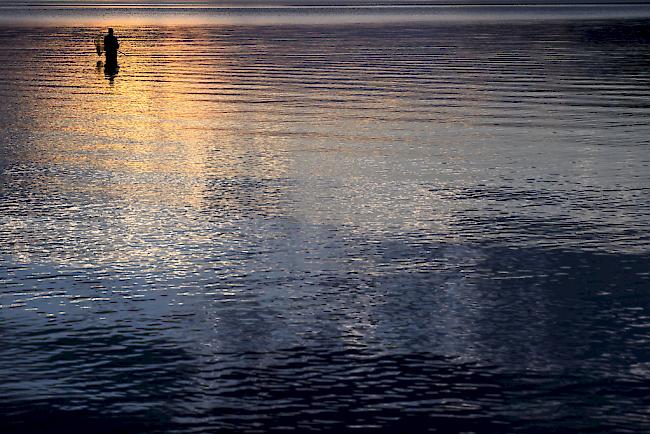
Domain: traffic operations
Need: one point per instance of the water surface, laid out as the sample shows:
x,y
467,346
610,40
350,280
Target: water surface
x,y
374,227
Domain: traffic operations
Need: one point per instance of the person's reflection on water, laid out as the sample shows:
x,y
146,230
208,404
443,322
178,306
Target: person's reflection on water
x,y
111,70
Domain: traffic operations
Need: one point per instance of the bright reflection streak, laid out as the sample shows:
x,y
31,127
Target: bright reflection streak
x,y
200,15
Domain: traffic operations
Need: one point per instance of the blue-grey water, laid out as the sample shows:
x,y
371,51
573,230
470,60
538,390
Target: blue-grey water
x,y
402,226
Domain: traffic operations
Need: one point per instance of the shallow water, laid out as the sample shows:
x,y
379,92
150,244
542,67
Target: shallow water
x,y
375,227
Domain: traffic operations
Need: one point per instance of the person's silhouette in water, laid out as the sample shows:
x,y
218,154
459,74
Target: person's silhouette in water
x,y
111,45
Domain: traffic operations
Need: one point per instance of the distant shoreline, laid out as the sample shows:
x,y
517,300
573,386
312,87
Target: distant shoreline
x,y
309,3
296,4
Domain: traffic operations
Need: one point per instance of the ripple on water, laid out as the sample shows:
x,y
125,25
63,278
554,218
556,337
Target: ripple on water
x,y
265,228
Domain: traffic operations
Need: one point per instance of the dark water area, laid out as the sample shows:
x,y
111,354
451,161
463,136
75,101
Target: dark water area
x,y
406,227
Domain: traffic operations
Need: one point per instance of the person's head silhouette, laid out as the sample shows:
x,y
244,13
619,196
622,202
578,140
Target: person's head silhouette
x,y
110,30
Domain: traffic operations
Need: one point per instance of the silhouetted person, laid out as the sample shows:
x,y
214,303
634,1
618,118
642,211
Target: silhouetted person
x,y
111,45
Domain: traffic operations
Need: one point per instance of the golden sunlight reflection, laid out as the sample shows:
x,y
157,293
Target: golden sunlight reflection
x,y
152,138
149,119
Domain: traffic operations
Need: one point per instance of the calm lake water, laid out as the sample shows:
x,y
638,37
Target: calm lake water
x,y
396,227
